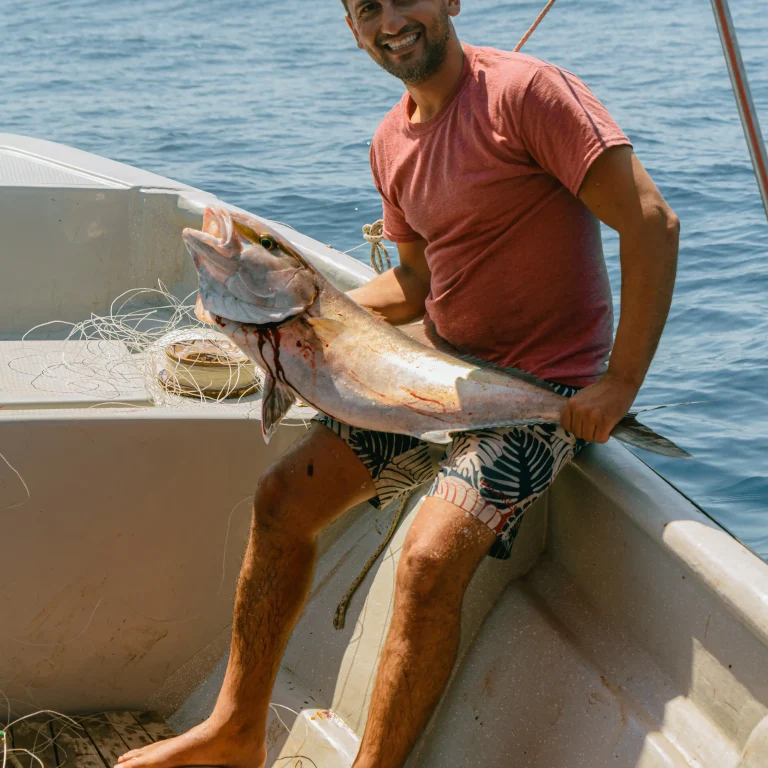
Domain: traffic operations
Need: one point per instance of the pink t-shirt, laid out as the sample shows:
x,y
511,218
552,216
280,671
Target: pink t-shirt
x,y
490,182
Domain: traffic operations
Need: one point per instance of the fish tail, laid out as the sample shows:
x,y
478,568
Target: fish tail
x,y
630,430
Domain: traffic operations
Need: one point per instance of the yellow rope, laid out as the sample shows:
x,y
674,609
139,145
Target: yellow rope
x,y
341,612
374,234
535,24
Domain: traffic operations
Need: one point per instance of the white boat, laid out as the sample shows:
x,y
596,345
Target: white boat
x,y
628,629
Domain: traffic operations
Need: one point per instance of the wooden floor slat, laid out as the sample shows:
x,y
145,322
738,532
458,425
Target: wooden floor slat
x,y
129,729
154,725
74,749
105,738
34,735
98,743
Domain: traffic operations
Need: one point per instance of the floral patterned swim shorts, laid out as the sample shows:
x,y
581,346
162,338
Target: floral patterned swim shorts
x,y
494,474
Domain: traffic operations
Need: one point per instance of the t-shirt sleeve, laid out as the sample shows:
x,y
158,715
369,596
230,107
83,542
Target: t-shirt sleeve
x,y
396,228
564,126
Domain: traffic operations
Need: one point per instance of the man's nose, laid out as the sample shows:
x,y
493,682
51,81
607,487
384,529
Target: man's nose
x,y
392,18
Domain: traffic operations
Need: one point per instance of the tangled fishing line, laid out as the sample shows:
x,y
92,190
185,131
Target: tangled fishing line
x,y
42,743
48,731
127,351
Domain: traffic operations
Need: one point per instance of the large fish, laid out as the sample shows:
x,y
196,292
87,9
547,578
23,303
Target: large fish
x,y
317,344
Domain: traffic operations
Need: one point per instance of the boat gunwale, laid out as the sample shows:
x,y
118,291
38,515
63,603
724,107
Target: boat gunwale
x,y
729,570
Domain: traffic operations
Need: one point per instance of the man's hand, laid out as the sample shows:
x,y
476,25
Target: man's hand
x,y
398,295
593,412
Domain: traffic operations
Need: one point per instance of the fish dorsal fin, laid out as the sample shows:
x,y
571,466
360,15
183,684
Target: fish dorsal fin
x,y
326,329
277,401
515,373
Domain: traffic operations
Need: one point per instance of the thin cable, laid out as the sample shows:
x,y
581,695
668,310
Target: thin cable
x,y
57,645
299,756
26,487
535,24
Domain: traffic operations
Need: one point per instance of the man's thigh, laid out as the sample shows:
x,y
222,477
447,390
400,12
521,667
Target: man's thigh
x,y
490,475
395,463
496,474
320,477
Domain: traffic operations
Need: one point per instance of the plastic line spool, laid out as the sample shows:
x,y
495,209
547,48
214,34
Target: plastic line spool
x,y
210,368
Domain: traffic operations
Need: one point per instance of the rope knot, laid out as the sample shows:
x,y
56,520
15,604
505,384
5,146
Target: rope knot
x,y
374,234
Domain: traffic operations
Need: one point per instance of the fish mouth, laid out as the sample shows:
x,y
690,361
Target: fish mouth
x,y
215,248
218,223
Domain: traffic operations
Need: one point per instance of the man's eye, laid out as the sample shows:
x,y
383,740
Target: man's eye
x,y
367,8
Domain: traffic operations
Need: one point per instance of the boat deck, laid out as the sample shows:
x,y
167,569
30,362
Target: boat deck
x,y
99,741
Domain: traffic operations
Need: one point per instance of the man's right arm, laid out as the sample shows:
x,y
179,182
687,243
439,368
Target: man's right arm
x,y
399,294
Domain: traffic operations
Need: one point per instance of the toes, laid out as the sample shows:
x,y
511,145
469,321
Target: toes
x,y
128,756
126,761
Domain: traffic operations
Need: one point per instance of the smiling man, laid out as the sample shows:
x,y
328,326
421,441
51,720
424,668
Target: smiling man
x,y
494,169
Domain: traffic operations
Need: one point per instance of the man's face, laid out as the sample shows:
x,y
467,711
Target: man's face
x,y
408,38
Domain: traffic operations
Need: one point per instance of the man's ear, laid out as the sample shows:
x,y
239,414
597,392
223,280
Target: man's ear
x,y
454,7
354,31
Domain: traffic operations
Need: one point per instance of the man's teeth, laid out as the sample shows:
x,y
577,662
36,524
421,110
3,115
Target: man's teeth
x,y
404,43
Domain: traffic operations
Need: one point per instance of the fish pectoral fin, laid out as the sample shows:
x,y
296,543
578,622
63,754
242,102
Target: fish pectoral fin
x,y
326,329
440,437
277,401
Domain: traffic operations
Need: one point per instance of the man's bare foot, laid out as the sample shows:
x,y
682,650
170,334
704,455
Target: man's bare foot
x,y
206,744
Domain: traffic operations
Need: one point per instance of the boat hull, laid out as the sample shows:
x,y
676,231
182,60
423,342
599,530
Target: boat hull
x,y
628,629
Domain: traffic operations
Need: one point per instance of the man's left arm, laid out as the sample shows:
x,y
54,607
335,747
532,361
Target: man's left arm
x,y
619,191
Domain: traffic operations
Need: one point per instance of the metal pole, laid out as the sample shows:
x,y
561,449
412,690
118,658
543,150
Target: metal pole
x,y
743,97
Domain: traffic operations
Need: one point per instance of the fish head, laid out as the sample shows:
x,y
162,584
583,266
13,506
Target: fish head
x,y
248,272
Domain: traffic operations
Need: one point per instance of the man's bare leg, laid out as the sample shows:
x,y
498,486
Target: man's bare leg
x,y
441,553
315,482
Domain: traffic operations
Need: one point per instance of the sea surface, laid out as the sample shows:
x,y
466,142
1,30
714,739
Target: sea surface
x,y
269,105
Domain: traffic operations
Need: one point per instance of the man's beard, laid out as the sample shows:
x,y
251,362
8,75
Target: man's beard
x,y
436,41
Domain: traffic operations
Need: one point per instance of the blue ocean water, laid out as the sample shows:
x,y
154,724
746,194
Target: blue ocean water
x,y
270,106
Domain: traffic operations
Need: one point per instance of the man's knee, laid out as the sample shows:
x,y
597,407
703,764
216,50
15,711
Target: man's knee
x,y
311,485
425,575
277,500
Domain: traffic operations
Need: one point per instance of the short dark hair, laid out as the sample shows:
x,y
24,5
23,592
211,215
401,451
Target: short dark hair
x,y
345,3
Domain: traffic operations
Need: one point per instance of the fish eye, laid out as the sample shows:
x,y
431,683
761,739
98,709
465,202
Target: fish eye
x,y
267,242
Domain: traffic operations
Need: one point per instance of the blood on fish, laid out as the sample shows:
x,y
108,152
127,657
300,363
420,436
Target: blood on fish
x,y
425,399
271,334
388,400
